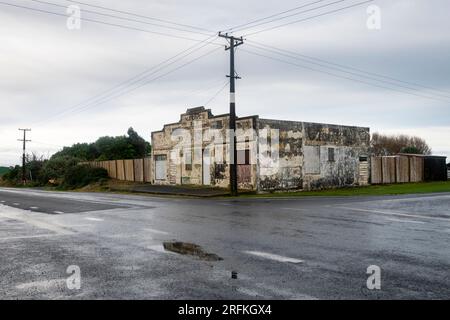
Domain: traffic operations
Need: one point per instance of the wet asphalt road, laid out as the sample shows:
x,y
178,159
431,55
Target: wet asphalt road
x,y
308,248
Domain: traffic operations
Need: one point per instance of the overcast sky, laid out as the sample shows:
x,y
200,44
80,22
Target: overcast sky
x,y
46,69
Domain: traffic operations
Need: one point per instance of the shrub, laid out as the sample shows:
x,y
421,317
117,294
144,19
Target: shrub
x,y
411,150
14,175
55,168
82,175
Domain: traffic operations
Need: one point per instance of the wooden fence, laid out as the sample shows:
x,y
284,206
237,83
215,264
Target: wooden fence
x,y
137,170
397,169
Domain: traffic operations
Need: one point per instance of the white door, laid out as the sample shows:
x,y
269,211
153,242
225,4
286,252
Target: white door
x,y
206,168
160,167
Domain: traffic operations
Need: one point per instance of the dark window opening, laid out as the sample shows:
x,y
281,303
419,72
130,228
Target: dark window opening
x,y
217,124
160,157
243,156
188,161
331,154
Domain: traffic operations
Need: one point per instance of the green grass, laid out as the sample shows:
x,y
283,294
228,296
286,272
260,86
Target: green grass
x,y
3,170
375,190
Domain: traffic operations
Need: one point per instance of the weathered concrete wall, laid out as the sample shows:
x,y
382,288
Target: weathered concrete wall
x,y
188,160
292,155
282,171
316,156
347,143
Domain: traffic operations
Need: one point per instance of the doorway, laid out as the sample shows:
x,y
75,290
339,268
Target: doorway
x,y
206,167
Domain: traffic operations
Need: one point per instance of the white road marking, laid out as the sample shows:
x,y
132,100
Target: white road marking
x,y
391,213
58,212
34,208
272,256
93,219
3,201
16,204
156,231
405,221
295,209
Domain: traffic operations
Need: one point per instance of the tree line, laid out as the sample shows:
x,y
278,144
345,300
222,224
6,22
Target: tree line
x,y
387,145
63,169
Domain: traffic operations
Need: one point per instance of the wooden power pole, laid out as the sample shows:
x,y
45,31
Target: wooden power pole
x,y
24,140
233,43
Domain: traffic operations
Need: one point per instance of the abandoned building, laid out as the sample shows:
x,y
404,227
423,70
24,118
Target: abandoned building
x,y
271,154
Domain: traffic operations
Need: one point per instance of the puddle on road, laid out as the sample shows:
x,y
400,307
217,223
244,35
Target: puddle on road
x,y
190,249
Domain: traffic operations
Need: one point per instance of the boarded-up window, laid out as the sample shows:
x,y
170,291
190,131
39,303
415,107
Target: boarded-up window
x,y
331,154
160,167
188,160
217,124
243,156
312,160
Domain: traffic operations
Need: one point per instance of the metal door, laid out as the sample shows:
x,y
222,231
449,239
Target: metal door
x,y
160,167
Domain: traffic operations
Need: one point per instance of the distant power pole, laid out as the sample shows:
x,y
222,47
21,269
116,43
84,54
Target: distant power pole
x,y
233,43
24,140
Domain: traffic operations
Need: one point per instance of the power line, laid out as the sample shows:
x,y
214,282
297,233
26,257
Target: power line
x,y
90,106
140,16
102,22
350,68
340,69
217,83
141,76
123,18
340,76
115,95
233,29
293,14
217,93
309,18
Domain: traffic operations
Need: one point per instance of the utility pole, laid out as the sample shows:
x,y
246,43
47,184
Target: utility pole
x,y
233,43
24,140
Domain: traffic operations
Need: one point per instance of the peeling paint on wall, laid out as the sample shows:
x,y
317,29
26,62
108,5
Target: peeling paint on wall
x,y
309,155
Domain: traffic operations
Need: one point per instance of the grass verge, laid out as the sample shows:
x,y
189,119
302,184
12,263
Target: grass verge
x,y
374,190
